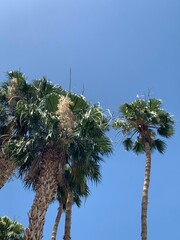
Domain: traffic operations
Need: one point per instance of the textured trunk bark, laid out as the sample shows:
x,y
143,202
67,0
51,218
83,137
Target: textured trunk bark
x,y
69,203
45,189
7,167
145,192
57,221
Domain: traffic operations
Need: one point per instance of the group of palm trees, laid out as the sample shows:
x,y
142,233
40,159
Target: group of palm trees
x,y
55,141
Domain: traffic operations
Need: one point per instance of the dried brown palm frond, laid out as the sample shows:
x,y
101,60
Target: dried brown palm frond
x,y
7,169
14,94
65,114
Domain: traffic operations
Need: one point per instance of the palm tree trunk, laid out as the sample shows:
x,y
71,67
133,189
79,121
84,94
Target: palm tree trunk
x,y
57,221
69,203
46,188
7,167
145,192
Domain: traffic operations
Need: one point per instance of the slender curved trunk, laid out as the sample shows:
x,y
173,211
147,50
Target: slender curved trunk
x,y
145,192
7,167
69,203
46,187
57,221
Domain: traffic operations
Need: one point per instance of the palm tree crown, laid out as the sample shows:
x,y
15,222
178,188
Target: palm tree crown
x,y
10,229
14,90
142,120
57,129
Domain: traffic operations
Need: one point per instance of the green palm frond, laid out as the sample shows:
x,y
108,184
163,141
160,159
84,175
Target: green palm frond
x,y
15,74
166,130
154,104
20,84
93,172
104,145
138,147
80,105
128,143
159,145
164,117
3,120
41,88
3,95
50,102
81,193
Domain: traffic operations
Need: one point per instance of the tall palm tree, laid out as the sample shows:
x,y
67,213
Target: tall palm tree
x,y
61,198
75,190
141,122
13,92
85,154
37,129
47,164
10,229
56,125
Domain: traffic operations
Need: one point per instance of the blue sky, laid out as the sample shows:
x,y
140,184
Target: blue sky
x,y
116,50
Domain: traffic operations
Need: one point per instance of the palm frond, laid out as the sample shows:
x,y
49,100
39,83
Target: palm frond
x,y
50,102
138,147
154,104
159,145
117,124
166,130
128,143
80,105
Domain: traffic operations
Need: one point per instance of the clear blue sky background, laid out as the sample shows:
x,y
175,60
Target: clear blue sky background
x,y
116,50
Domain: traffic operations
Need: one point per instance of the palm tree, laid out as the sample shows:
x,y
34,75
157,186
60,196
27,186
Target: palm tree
x,y
11,92
56,126
36,110
85,155
61,201
10,229
75,190
141,122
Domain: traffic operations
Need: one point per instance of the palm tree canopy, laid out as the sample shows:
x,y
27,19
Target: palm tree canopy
x,y
142,121
40,119
44,123
13,91
10,229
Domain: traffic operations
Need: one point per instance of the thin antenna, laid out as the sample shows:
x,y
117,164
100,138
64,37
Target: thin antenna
x,y
70,80
83,90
